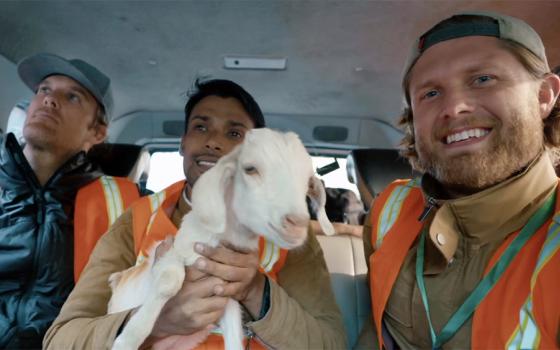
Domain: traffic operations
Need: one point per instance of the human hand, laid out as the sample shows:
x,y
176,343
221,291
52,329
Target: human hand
x,y
340,228
195,307
239,268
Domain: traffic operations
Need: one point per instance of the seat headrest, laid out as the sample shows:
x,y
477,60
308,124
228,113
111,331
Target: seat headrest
x,y
115,159
379,167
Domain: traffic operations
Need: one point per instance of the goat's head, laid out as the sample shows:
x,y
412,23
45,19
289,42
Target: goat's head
x,y
265,181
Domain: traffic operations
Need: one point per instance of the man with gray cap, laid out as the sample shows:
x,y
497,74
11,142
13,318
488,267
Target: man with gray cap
x,y
468,255
40,183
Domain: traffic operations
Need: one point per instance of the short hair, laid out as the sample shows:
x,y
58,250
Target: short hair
x,y
100,115
223,88
531,62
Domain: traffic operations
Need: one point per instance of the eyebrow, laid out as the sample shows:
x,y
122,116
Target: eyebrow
x,y
473,68
76,88
193,118
237,124
231,123
79,90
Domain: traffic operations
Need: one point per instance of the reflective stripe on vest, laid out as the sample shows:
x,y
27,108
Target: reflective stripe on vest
x,y
388,257
97,206
527,334
150,221
392,208
524,303
113,198
270,253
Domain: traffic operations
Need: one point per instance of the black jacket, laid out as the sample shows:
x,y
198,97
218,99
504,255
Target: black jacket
x,y
36,243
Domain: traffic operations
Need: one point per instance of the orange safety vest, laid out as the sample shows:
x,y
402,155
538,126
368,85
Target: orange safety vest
x,y
151,223
97,206
523,308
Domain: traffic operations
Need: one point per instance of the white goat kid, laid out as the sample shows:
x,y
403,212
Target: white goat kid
x,y
259,187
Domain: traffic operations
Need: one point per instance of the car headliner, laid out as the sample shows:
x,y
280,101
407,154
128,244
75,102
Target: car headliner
x,y
344,58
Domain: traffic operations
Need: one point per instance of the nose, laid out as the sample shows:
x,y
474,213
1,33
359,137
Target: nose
x,y
457,103
214,142
295,221
50,101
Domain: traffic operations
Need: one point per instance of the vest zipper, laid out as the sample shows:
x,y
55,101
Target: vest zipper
x,y
30,282
431,204
250,335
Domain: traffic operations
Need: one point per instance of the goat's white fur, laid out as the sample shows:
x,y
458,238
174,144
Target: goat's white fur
x,y
252,189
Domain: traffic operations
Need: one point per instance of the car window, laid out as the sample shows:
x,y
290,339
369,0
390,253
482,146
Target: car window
x,y
166,168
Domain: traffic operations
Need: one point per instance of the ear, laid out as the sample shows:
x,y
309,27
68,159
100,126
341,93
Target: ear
x,y
181,152
99,135
208,194
318,198
548,94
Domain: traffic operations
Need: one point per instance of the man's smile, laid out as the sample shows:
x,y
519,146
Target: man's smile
x,y
463,136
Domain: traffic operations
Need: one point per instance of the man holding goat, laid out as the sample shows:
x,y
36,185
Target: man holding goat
x,y
290,306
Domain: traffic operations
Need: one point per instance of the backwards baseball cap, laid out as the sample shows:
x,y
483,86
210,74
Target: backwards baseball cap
x,y
478,24
35,68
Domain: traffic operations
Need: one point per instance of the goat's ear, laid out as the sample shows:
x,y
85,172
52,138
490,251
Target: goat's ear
x,y
208,195
318,198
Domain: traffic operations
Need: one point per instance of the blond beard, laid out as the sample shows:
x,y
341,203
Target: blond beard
x,y
511,150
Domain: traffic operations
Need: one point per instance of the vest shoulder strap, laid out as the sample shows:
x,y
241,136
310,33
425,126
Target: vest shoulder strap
x,y
529,314
395,226
144,214
387,208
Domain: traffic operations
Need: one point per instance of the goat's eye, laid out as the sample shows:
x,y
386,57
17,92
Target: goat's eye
x,y
250,170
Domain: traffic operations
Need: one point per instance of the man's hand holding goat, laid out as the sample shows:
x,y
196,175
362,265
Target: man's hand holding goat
x,y
258,188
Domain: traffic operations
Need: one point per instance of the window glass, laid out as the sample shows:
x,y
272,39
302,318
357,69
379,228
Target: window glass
x,y
167,168
337,178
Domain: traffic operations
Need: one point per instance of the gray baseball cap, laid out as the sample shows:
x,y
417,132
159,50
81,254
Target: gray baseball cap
x,y
478,24
33,69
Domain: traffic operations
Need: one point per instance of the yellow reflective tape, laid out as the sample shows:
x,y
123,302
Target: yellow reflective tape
x,y
270,256
391,209
113,198
155,201
550,249
140,259
275,255
526,335
514,339
266,256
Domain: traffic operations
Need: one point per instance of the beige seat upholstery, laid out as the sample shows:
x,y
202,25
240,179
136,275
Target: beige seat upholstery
x,y
347,266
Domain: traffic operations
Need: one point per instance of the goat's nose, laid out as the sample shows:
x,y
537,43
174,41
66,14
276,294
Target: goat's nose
x,y
295,220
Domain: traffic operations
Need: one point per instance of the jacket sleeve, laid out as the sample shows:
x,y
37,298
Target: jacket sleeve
x,y
83,322
303,313
368,336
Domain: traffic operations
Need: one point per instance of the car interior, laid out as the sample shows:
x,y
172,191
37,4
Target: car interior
x,y
329,71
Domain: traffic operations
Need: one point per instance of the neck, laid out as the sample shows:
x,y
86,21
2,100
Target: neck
x,y
188,193
43,162
454,191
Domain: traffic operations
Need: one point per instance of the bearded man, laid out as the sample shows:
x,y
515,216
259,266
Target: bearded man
x,y
469,255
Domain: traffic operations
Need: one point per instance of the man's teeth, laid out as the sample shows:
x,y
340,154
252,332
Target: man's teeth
x,y
467,134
